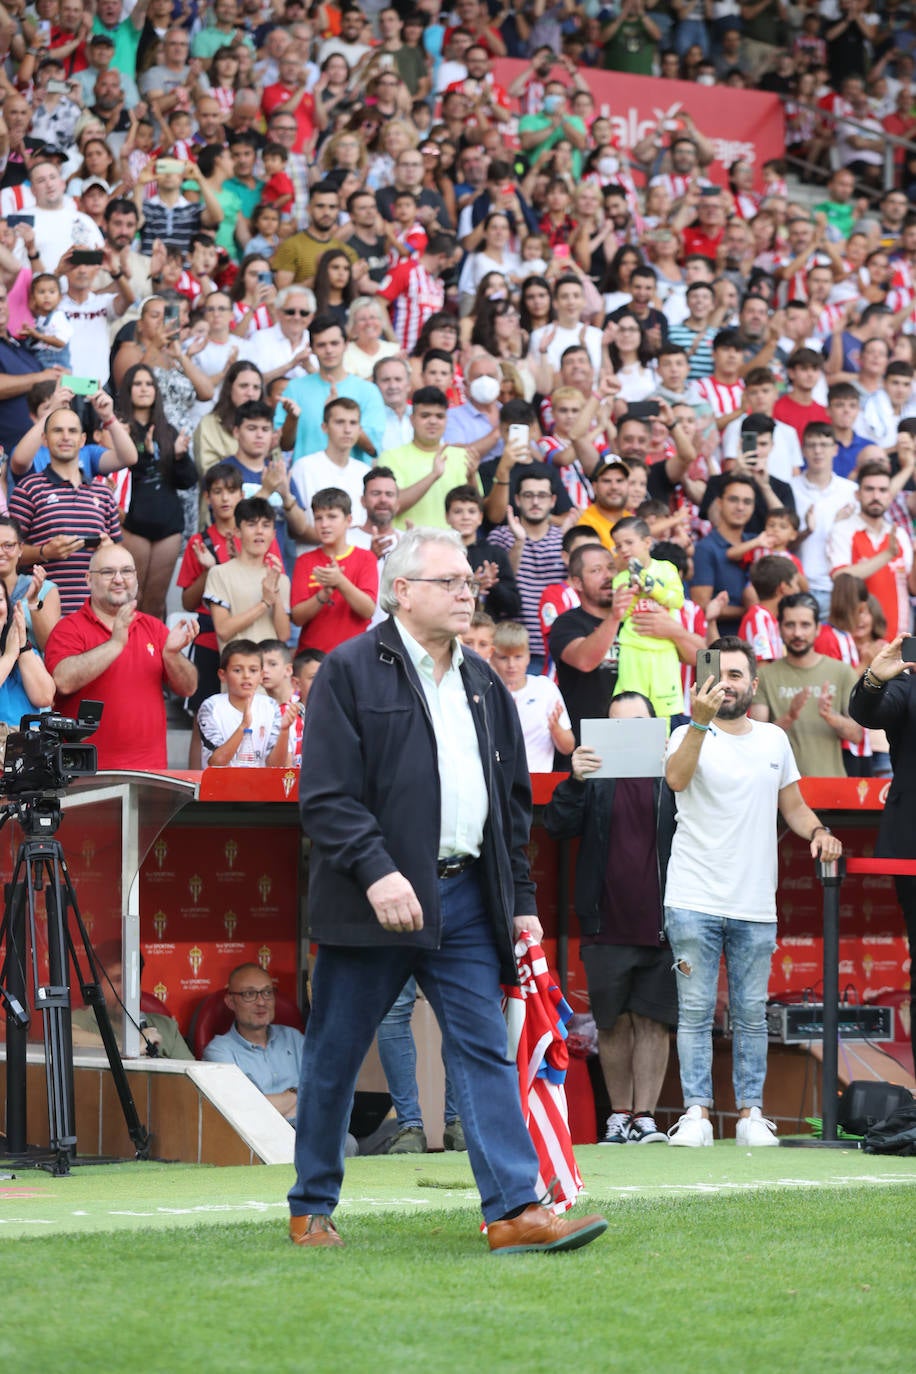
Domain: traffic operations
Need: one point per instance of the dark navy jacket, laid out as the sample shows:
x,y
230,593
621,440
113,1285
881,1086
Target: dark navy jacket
x,y
369,794
894,711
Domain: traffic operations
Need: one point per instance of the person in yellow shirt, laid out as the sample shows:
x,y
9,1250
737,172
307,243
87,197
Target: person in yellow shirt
x,y
428,468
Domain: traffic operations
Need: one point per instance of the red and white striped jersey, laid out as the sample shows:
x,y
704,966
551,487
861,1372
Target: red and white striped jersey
x,y
693,619
747,204
761,630
413,294
827,321
258,319
834,643
903,287
723,397
572,475
677,185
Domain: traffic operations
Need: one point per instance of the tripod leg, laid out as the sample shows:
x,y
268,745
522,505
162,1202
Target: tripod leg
x,y
55,1001
13,979
94,996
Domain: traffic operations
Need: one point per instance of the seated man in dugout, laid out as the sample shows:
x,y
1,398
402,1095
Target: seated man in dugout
x,y
159,1034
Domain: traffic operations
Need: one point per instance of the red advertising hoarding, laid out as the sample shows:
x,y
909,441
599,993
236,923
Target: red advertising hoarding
x,y
742,124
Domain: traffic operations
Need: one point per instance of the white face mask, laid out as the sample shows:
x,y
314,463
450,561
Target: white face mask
x,y
484,390
608,166
706,79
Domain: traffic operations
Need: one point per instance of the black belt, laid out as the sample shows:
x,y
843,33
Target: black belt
x,y
450,868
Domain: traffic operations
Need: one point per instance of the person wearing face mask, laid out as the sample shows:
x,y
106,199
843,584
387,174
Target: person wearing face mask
x,y
476,423
538,132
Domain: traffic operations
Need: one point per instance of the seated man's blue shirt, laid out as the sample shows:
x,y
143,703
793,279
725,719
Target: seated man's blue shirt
x,y
273,1067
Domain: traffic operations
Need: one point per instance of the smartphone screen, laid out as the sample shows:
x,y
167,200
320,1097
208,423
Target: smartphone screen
x,y
908,649
709,664
519,433
748,443
91,541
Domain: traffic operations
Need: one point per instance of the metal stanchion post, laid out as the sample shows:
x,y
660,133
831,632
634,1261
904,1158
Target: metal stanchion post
x,y
831,876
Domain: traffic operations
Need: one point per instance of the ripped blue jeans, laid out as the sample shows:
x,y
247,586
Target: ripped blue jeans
x,y
698,941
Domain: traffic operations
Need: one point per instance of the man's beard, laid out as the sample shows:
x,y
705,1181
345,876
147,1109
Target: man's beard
x,y
734,710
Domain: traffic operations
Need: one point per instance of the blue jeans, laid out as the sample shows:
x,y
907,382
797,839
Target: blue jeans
x,y
353,989
398,1053
698,941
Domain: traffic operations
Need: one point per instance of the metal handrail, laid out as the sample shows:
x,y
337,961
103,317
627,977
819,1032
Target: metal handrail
x,y
891,141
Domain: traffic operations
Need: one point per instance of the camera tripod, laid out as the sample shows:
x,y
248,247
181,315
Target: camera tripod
x,y
41,866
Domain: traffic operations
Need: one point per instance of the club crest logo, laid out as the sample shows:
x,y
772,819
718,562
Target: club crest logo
x,y
160,921
230,921
195,958
195,886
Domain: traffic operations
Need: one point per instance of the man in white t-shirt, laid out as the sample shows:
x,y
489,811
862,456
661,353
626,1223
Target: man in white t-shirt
x,y
541,709
731,776
821,498
329,467
58,223
550,341
90,313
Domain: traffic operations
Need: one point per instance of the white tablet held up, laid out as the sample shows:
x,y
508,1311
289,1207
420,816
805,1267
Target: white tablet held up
x,y
632,747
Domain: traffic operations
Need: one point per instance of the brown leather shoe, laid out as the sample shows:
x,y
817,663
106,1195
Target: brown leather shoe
x,y
537,1228
315,1228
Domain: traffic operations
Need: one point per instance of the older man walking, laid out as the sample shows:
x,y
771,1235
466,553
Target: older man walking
x,y
417,801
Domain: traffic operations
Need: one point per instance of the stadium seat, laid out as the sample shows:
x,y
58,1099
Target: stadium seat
x,y
212,1017
150,1003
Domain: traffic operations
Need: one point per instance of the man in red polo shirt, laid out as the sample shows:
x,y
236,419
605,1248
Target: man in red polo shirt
x,y
108,651
290,95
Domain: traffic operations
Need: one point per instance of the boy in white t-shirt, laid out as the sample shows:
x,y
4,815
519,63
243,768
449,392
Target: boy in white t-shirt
x,y
242,727
541,709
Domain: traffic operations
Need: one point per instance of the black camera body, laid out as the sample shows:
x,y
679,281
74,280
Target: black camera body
x,y
47,752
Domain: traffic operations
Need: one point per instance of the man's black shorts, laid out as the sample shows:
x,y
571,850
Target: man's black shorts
x,y
636,978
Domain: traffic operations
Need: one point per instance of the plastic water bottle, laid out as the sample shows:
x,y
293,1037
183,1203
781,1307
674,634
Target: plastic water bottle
x,y
245,755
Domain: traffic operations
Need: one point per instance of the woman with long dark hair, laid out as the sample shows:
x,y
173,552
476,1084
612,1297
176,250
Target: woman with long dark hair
x,y
536,304
335,288
497,331
213,438
154,520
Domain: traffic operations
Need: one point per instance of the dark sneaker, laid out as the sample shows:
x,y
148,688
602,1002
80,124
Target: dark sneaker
x,y
617,1129
409,1141
453,1136
643,1131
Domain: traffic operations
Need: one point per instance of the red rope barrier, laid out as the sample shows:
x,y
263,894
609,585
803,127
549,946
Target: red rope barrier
x,y
902,867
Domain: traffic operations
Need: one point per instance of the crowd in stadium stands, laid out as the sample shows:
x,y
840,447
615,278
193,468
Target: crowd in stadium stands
x,y
279,281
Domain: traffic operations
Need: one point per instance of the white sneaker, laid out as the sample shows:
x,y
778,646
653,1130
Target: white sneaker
x,y
755,1130
693,1129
